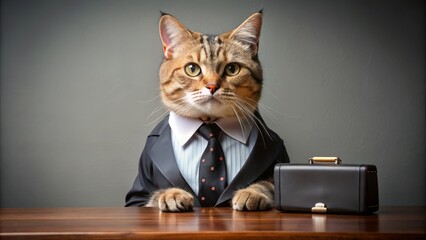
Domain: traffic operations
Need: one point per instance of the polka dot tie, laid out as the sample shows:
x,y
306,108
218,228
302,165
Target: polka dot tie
x,y
212,167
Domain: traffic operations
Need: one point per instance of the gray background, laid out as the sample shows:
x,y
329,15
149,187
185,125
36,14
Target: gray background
x,y
79,82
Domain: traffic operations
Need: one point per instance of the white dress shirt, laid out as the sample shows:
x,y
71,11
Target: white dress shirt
x,y
237,143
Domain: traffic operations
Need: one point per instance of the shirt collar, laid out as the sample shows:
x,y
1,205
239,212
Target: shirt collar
x,y
185,127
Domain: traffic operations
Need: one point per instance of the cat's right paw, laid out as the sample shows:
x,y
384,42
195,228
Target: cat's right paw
x,y
175,200
256,197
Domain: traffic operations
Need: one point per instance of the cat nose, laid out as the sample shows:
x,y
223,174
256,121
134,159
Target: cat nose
x,y
213,82
212,88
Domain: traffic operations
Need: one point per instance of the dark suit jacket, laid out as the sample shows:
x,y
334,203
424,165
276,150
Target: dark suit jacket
x,y
158,168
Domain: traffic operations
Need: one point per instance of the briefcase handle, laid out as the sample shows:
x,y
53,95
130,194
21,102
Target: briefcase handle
x,y
335,160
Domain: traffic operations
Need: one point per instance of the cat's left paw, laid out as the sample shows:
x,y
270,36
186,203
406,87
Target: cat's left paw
x,y
256,197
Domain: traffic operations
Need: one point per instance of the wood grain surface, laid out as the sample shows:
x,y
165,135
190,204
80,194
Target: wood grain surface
x,y
208,223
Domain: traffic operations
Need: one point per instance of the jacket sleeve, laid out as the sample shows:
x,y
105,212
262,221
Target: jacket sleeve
x,y
147,180
143,186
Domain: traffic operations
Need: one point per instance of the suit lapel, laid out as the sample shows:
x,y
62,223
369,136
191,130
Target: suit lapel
x,y
263,154
163,157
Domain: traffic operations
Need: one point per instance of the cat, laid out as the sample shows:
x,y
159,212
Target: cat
x,y
209,78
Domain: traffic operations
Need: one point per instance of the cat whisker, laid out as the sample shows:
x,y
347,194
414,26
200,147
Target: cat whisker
x,y
252,108
157,118
158,108
267,110
150,100
249,115
163,106
240,121
253,118
184,110
263,107
195,96
162,115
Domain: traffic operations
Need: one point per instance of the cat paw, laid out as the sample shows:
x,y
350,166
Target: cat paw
x,y
256,197
175,200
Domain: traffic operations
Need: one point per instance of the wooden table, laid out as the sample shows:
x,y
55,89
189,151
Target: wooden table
x,y
208,223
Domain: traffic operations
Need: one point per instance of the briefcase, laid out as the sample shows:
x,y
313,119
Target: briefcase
x,y
326,186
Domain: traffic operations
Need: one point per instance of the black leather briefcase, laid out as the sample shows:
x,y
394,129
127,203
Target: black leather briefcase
x,y
326,187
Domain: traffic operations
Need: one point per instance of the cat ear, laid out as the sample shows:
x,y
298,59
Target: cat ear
x,y
248,32
172,33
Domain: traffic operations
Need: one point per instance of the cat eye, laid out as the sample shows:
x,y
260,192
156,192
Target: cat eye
x,y
232,69
192,70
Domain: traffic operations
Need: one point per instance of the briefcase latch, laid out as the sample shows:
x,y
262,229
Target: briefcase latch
x,y
319,208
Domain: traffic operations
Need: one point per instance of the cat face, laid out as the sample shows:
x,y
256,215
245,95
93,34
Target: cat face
x,y
209,77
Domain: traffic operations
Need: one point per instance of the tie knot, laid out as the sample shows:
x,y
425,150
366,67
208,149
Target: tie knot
x,y
209,131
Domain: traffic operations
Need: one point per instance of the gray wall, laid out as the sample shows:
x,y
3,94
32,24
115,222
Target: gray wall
x,y
79,82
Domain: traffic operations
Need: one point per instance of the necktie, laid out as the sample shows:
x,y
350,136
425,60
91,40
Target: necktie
x,y
212,172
